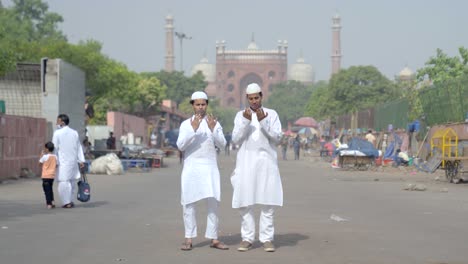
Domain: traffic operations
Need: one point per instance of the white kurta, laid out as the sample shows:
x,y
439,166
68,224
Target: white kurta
x,y
256,178
69,153
200,175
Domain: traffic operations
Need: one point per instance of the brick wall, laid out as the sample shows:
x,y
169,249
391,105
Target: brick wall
x,y
21,142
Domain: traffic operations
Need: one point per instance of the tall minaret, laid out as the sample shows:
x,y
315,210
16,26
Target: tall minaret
x,y
169,58
336,49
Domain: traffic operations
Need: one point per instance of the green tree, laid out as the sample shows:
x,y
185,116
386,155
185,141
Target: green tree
x,y
150,94
179,87
443,67
24,27
317,106
359,87
289,99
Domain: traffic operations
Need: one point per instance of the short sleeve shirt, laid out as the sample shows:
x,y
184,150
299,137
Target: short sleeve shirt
x,y
49,166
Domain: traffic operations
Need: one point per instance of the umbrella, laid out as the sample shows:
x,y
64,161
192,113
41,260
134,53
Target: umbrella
x,y
287,132
306,122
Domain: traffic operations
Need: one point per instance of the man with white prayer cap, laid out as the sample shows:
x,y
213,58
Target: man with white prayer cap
x,y
256,178
200,178
69,152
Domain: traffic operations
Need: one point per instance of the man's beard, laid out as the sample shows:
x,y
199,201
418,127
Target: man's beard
x,y
255,108
202,113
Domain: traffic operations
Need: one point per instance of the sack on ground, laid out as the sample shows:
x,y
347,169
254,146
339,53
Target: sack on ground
x,y
109,164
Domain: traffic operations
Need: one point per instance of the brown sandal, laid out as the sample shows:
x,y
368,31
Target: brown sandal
x,y
186,246
219,245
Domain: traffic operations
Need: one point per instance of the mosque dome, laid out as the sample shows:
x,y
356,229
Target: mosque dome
x,y
208,70
252,46
406,73
301,71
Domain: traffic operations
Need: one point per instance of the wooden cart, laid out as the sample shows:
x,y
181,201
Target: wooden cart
x,y
356,162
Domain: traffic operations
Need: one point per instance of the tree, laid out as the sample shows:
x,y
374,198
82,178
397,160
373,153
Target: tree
x,y
359,87
150,94
316,106
442,67
179,87
23,29
289,99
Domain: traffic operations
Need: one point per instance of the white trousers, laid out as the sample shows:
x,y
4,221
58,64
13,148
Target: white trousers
x,y
66,189
267,230
190,219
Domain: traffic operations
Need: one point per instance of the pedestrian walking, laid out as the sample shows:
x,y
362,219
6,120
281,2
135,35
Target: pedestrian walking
x,y
200,178
48,161
70,155
256,179
297,147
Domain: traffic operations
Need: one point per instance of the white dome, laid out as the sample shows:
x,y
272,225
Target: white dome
x,y
406,72
208,70
252,46
301,72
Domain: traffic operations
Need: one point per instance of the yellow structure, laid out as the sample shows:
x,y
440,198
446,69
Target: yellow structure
x,y
445,140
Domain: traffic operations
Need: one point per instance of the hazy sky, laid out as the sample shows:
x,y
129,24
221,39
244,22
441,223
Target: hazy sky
x,y
387,34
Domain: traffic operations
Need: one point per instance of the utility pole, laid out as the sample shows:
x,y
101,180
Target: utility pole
x,y
181,36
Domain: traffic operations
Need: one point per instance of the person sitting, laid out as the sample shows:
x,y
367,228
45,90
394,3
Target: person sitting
x,y
401,158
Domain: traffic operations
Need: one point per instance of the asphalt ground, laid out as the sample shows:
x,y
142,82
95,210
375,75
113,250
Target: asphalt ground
x,y
329,216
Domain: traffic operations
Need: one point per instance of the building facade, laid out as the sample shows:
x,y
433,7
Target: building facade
x,y
235,69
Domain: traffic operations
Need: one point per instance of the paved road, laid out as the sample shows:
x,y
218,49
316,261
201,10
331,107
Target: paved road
x,y
136,218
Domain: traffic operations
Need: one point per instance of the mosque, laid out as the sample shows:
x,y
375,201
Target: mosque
x,y
234,69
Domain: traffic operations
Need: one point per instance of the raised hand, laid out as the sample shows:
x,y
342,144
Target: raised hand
x,y
247,114
196,122
260,114
211,121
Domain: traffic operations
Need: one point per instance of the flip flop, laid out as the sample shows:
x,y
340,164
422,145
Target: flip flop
x,y
69,205
219,245
186,246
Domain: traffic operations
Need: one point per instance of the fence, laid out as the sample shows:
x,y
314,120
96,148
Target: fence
x,y
446,102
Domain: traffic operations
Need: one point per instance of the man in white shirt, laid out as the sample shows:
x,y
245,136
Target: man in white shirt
x,y
256,178
69,153
197,139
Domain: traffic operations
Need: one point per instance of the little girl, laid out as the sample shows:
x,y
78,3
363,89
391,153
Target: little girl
x,y
49,166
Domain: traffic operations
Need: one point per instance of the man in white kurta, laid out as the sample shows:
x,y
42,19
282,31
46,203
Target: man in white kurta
x,y
256,178
200,178
70,155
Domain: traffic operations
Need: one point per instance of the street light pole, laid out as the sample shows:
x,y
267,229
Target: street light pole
x,y
181,36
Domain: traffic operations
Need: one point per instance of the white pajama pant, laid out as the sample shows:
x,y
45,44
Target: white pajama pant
x,y
190,220
66,189
266,228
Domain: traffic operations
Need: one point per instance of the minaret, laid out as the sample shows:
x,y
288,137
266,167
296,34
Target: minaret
x,y
336,43
169,58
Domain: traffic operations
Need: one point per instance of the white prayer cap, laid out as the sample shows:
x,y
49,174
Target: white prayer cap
x,y
253,88
199,95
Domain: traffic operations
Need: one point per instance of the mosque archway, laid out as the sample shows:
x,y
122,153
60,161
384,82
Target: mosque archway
x,y
246,80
